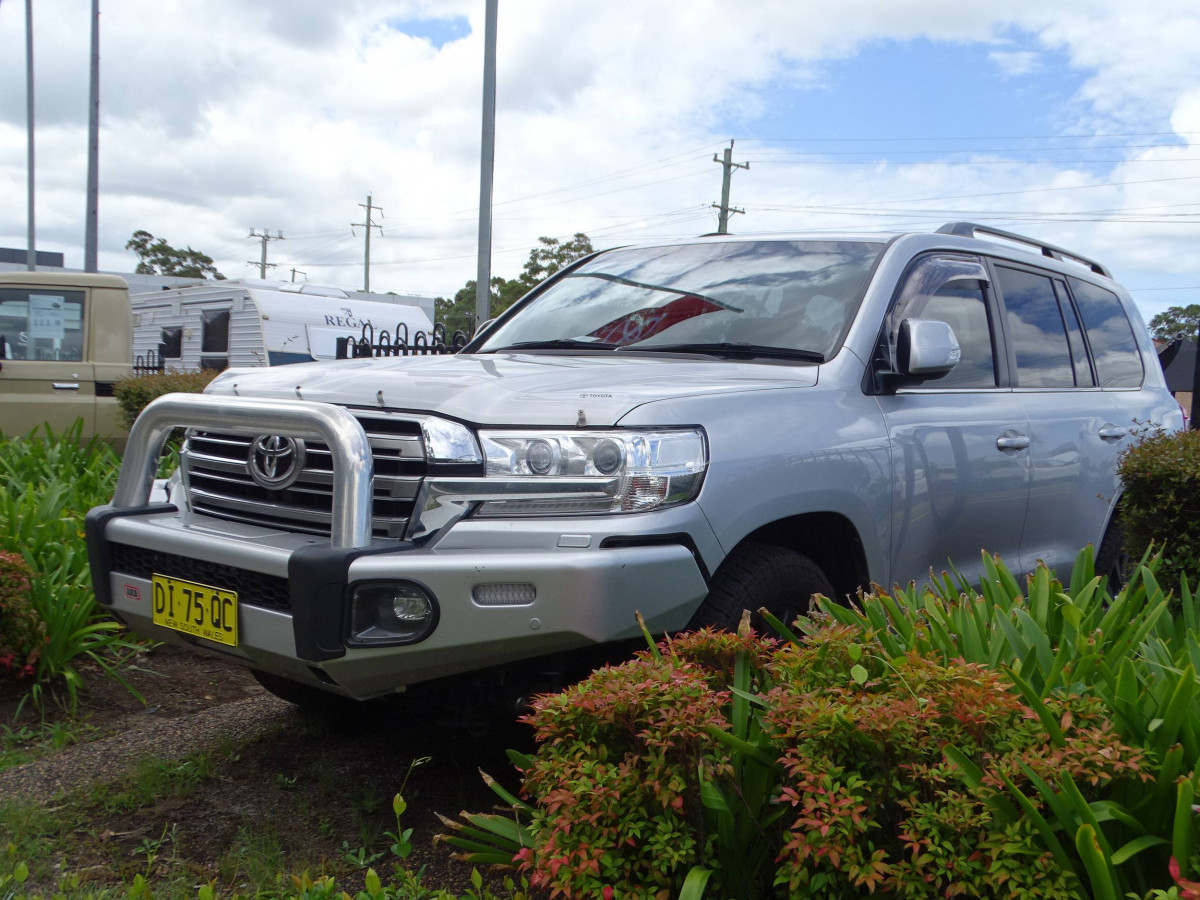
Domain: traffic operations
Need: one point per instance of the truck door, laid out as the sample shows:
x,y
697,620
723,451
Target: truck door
x,y
959,443
43,376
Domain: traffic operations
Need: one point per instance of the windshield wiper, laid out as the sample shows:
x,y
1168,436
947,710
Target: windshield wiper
x,y
556,344
730,349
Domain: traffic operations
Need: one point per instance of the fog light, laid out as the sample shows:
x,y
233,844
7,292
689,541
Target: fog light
x,y
391,612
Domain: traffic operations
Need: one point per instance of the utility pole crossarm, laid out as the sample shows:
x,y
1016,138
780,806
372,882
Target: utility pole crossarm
x,y
368,225
724,208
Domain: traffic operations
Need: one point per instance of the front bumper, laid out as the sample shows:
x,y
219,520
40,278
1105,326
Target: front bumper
x,y
583,594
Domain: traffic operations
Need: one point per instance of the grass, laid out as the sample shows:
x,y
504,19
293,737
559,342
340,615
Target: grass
x,y
20,744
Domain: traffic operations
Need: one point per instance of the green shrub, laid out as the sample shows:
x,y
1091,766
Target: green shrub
x,y
22,632
51,481
134,393
990,742
1135,654
732,765
1161,503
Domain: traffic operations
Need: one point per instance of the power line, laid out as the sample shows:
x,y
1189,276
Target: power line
x,y
1078,187
994,137
965,162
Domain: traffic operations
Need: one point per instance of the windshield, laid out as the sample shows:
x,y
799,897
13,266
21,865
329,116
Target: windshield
x,y
758,298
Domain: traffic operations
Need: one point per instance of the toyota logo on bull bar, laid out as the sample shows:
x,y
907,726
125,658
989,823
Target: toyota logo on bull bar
x,y
275,461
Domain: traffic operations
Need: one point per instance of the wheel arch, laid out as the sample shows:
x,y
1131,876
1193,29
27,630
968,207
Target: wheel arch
x,y
829,539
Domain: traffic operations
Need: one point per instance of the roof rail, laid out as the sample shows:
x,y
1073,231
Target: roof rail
x,y
971,229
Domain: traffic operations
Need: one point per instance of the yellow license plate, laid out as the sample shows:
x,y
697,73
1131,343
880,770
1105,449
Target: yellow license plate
x,y
198,609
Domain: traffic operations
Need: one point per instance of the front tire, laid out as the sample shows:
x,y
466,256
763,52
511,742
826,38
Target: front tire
x,y
755,576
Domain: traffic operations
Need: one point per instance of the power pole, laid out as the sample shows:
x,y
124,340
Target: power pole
x,y
92,212
31,251
368,225
296,272
487,157
262,264
725,209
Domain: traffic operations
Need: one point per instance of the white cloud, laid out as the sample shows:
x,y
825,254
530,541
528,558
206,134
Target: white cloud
x,y
221,115
1014,62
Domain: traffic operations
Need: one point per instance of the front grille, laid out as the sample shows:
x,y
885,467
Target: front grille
x,y
253,588
216,472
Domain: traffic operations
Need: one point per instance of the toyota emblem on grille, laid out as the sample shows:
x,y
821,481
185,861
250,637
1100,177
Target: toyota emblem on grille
x,y
275,461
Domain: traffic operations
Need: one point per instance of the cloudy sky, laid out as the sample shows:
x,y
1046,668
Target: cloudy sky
x,y
1076,121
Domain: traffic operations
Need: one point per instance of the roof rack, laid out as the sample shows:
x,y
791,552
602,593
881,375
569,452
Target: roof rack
x,y
971,229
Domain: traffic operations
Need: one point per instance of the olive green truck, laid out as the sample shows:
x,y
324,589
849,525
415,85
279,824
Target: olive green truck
x,y
65,340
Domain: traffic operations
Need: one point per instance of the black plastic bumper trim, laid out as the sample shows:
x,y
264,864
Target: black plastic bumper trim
x,y
318,576
99,558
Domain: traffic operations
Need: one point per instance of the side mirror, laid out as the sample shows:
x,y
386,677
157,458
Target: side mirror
x,y
926,348
3,350
485,326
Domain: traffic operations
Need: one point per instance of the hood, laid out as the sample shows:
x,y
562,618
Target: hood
x,y
513,389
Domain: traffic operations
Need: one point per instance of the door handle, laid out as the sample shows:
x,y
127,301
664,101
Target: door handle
x,y
1112,432
1010,441
66,385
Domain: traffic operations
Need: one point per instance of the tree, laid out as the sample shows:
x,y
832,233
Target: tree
x,y
157,257
1176,322
459,314
548,257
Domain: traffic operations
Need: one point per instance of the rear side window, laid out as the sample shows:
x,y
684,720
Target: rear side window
x,y
1109,334
1036,328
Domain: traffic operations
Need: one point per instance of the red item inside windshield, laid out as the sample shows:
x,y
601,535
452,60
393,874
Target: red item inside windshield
x,y
643,323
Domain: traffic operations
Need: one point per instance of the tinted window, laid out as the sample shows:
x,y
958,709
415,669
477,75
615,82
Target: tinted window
x,y
1079,357
1109,334
172,342
964,309
949,288
214,337
1036,329
42,324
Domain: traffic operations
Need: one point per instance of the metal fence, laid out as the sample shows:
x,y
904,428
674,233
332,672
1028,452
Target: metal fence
x,y
149,363
399,343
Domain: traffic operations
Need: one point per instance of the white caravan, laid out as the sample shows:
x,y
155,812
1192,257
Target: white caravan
x,y
230,323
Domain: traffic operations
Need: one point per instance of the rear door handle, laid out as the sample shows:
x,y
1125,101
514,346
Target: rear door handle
x,y
1012,441
1112,432
66,385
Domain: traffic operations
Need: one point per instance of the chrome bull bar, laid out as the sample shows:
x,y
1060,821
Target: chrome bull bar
x,y
353,465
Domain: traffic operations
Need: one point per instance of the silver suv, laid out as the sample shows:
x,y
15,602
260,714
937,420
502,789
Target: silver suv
x,y
684,429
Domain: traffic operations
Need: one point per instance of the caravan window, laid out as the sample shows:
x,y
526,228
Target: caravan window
x,y
172,342
214,331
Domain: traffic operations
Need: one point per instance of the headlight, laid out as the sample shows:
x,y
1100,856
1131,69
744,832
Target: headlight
x,y
588,472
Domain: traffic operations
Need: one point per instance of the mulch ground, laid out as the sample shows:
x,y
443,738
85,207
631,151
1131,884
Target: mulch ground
x,y
289,786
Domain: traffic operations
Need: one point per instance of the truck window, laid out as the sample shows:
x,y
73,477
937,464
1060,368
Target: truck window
x,y
1115,352
950,289
1035,326
44,324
